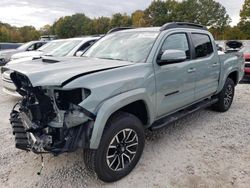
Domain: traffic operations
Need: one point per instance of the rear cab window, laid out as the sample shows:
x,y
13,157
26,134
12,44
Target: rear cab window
x,y
202,44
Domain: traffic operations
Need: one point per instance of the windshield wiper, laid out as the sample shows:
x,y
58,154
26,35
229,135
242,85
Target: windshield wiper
x,y
110,58
49,55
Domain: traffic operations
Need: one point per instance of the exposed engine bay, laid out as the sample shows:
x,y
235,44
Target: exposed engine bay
x,y
49,119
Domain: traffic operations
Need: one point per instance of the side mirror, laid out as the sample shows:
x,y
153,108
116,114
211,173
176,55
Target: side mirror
x,y
79,53
172,56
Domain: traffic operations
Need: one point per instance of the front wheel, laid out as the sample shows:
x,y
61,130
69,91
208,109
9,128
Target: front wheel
x,y
225,97
120,148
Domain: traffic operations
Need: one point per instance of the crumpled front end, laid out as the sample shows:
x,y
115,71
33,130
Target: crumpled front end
x,y
49,119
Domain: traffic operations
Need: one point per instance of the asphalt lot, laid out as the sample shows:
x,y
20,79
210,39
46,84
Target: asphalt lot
x,y
205,149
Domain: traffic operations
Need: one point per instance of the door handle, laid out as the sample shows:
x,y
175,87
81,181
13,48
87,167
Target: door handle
x,y
215,64
191,70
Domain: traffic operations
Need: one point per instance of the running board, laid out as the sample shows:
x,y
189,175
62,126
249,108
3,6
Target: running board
x,y
182,113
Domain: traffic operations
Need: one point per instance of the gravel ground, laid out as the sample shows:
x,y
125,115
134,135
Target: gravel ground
x,y
206,149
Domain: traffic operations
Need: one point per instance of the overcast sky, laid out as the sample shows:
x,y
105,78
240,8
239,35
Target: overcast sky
x,y
41,12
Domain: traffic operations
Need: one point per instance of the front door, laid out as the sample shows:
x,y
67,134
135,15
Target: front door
x,y
175,83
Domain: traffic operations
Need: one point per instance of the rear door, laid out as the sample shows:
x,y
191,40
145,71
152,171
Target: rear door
x,y
207,65
175,83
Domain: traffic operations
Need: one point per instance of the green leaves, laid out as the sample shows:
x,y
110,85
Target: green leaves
x,y
161,12
244,24
205,12
71,26
245,12
14,34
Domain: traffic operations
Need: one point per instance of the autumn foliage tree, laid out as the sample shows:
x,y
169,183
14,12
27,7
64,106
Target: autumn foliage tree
x,y
138,18
206,12
244,24
100,25
160,12
71,26
9,33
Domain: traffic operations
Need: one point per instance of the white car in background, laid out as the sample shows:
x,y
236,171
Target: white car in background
x,y
57,48
5,55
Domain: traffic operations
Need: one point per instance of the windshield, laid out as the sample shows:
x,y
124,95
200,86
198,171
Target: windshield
x,y
124,46
245,49
65,48
51,46
25,46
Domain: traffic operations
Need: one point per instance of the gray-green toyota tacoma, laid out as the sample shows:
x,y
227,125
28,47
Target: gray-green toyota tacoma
x,y
128,81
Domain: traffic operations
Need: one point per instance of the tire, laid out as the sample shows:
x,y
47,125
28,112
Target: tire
x,y
225,97
120,148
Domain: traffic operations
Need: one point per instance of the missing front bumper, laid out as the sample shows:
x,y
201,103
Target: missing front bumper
x,y
28,137
21,138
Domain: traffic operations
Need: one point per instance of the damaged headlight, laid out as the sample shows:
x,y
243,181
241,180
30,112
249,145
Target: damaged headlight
x,y
66,97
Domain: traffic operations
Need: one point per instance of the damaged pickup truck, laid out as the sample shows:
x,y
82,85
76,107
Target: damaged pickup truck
x,y
128,81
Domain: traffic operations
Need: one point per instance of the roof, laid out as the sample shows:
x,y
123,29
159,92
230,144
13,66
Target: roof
x,y
142,29
76,38
35,41
171,25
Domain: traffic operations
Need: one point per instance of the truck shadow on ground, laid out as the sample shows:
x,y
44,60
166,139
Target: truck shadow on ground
x,y
179,127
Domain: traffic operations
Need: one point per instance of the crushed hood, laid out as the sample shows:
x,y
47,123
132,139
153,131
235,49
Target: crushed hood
x,y
57,72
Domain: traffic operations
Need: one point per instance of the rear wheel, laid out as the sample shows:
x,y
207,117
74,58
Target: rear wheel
x,y
225,97
120,148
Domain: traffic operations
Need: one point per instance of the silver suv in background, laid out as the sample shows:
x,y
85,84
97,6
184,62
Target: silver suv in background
x,y
57,48
5,55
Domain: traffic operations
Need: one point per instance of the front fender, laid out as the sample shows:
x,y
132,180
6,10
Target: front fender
x,y
113,104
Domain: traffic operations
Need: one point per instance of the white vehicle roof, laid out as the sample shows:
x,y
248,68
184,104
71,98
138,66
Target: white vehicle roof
x,y
50,48
82,40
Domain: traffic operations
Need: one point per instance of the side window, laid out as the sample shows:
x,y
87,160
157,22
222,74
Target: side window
x,y
86,45
38,45
177,42
31,47
203,45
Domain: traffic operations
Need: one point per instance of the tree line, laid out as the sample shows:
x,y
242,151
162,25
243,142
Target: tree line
x,y
205,12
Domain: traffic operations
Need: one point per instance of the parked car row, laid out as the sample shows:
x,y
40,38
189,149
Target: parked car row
x,y
8,45
128,81
5,55
56,48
